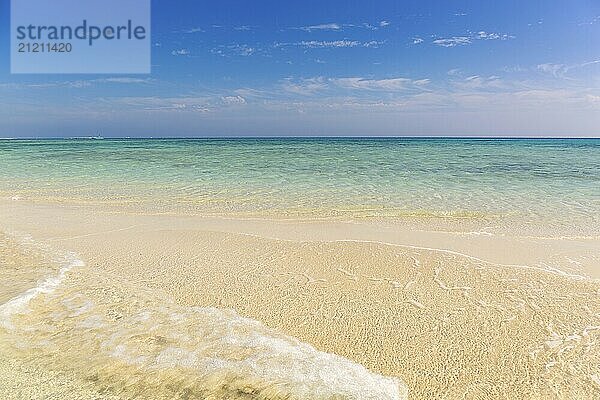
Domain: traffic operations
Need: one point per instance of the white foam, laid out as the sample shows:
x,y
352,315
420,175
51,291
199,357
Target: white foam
x,y
206,346
226,344
20,303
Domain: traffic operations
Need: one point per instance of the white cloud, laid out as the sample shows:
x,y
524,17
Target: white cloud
x,y
593,99
372,84
482,35
372,44
311,86
155,103
561,70
466,40
422,82
325,44
487,103
314,44
590,63
334,26
591,21
556,70
453,41
304,86
417,40
181,52
194,30
233,100
476,82
242,50
322,27
514,68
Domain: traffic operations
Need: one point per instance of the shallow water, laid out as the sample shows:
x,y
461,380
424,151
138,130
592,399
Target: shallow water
x,y
96,331
131,342
555,182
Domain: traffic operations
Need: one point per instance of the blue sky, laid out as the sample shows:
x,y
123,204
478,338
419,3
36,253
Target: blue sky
x,y
235,68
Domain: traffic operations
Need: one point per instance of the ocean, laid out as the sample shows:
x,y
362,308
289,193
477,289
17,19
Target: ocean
x,y
550,182
322,268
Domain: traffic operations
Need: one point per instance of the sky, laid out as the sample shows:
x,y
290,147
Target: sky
x,y
328,68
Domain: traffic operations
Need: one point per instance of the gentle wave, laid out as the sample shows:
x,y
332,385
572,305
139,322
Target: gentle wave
x,y
20,303
135,346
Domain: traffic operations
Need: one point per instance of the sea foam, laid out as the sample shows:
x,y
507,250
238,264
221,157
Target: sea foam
x,y
142,345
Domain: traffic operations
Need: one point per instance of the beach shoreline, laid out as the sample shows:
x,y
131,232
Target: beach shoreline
x,y
423,305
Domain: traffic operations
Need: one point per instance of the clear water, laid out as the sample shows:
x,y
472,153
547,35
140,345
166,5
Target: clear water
x,y
58,315
103,334
554,180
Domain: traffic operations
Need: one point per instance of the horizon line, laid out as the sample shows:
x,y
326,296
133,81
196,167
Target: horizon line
x,y
483,137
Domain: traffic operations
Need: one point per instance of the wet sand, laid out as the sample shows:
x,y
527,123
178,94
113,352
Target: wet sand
x,y
450,309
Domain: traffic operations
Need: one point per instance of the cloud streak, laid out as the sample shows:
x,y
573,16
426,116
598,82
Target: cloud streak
x,y
331,44
335,26
180,52
455,41
322,27
332,85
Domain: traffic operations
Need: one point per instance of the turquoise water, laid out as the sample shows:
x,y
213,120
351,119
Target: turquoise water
x,y
552,179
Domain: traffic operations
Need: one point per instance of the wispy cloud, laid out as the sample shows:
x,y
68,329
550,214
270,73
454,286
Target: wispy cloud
x,y
373,26
352,100
322,27
469,39
556,70
453,41
592,21
483,35
181,52
242,50
315,44
311,86
233,100
304,87
188,104
477,82
330,44
336,26
373,43
194,30
561,70
391,84
369,26
417,40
